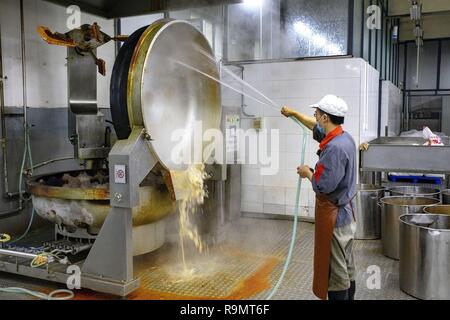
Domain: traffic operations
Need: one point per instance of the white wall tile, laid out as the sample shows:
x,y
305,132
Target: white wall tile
x,y
252,194
269,111
283,160
294,143
251,177
274,180
353,104
274,195
246,123
348,87
231,102
311,199
253,108
274,89
252,207
291,178
293,160
295,89
290,194
299,84
304,195
300,105
287,70
274,209
274,123
292,127
352,126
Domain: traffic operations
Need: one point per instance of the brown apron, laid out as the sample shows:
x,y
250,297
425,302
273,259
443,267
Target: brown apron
x,y
325,219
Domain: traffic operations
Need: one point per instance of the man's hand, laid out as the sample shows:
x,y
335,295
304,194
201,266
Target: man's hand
x,y
286,111
364,146
305,172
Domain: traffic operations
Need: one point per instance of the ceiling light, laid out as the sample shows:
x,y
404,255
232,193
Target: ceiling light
x,y
252,3
302,29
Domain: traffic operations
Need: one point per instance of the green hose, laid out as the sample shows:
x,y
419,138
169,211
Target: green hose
x,y
296,212
26,151
51,296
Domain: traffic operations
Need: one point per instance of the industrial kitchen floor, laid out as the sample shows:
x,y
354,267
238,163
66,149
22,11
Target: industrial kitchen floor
x,y
244,265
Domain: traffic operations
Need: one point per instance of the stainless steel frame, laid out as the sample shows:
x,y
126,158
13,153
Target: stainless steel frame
x,y
109,265
86,123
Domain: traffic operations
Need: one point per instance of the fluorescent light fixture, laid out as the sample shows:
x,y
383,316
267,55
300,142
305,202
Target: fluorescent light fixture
x,y
319,41
252,3
302,29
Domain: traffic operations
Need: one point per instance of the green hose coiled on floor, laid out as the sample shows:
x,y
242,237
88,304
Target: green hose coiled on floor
x,y
296,213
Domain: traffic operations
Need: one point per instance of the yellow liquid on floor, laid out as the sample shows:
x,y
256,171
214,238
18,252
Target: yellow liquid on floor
x,y
190,192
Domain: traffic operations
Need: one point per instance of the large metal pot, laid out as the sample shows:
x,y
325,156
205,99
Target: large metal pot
x,y
438,209
415,191
368,213
425,255
446,196
391,209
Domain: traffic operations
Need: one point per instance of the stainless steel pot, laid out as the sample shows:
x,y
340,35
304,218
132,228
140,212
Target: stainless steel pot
x,y
415,191
446,196
368,213
425,255
391,209
438,209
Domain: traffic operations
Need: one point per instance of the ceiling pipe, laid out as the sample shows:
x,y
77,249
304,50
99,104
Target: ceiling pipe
x,y
416,16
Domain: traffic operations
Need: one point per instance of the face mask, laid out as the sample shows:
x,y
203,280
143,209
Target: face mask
x,y
321,130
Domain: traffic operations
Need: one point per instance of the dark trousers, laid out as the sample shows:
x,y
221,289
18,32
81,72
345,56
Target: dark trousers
x,y
348,294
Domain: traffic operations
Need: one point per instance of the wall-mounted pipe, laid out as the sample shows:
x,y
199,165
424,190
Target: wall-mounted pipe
x,y
3,124
25,123
24,93
243,105
24,67
417,64
3,139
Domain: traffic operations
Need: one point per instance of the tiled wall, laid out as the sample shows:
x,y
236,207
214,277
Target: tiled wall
x,y
299,84
391,108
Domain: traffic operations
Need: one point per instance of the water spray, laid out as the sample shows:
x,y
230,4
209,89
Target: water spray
x,y
302,160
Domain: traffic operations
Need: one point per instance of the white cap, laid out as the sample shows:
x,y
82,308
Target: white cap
x,y
332,105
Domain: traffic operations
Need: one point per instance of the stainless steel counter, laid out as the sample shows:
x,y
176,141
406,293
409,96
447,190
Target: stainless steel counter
x,y
405,154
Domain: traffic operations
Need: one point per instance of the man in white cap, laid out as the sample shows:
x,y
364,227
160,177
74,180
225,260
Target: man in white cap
x,y
334,182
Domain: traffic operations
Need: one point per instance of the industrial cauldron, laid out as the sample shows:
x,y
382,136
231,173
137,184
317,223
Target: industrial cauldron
x,y
152,88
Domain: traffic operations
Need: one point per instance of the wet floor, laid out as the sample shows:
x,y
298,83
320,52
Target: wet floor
x,y
245,264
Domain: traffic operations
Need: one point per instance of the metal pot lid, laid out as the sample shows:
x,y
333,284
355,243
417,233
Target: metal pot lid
x,y
168,99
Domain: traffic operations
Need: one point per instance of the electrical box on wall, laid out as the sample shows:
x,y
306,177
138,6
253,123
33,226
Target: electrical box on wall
x,y
395,34
258,123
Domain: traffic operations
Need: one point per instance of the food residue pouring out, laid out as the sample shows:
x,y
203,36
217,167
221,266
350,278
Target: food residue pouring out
x,y
191,192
